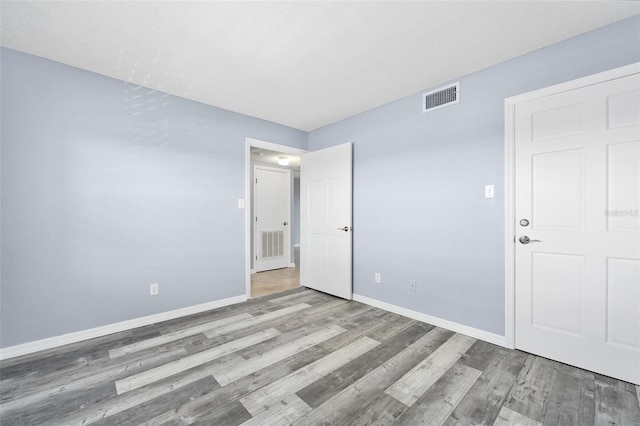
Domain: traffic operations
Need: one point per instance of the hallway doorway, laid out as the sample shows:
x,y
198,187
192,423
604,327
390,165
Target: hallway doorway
x,y
269,155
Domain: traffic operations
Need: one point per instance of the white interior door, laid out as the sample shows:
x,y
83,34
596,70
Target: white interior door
x,y
271,214
577,160
325,220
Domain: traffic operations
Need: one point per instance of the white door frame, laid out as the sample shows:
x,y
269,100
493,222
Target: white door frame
x,y
248,144
509,178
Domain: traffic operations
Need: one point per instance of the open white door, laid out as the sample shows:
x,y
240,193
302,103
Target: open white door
x,y
325,220
577,227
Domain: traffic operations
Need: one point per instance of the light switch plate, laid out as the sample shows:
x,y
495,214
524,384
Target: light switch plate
x,y
241,203
489,191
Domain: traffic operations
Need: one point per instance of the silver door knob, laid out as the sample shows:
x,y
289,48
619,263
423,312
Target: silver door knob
x,y
526,240
345,229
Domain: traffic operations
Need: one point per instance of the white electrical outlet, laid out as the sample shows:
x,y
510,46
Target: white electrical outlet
x,y
153,289
412,286
377,277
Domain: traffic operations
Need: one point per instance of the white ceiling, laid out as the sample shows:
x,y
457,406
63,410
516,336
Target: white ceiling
x,y
301,64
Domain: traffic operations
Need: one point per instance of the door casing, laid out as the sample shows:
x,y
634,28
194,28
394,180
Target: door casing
x,y
509,178
256,143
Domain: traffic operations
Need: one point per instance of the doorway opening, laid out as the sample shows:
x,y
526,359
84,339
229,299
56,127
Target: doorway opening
x,y
272,243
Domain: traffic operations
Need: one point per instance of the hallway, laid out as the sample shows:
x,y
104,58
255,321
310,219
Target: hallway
x,y
268,282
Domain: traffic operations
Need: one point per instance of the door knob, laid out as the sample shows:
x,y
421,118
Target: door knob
x,y
284,223
345,229
526,240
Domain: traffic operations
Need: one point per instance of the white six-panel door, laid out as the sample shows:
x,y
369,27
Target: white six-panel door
x,y
577,162
325,220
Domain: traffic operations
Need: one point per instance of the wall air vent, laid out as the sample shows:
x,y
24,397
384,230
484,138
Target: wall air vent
x,y
441,97
272,244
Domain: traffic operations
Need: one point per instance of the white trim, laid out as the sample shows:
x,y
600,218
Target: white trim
x,y
576,84
248,143
509,180
92,333
296,245
438,322
292,265
509,229
285,149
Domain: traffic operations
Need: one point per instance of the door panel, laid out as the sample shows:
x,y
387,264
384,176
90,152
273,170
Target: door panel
x,y
558,289
577,160
325,211
623,187
623,296
623,109
558,179
336,208
557,122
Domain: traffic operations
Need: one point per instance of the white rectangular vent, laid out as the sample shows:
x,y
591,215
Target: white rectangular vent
x,y
272,244
441,97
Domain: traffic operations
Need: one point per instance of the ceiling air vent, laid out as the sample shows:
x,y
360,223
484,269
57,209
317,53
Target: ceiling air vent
x,y
441,97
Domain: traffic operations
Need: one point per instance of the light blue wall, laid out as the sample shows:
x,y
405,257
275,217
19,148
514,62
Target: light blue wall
x,y
108,187
419,211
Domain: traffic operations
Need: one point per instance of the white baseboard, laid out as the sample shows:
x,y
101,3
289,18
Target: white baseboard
x,y
78,336
439,322
296,245
292,265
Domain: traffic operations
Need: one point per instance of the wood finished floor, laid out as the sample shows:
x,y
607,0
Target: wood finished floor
x,y
303,358
269,282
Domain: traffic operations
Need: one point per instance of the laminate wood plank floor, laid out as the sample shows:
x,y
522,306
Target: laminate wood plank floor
x,y
302,357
